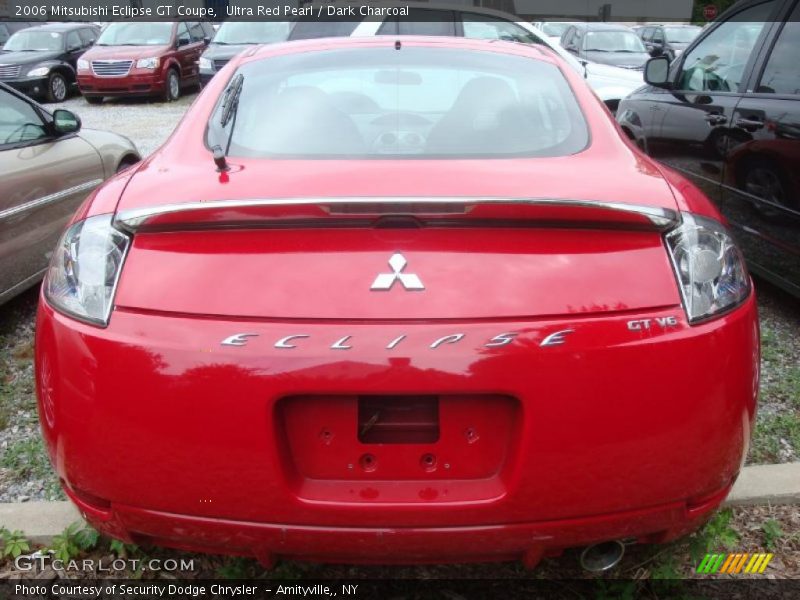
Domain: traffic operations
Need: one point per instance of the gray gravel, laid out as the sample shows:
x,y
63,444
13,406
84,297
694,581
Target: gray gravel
x,y
147,122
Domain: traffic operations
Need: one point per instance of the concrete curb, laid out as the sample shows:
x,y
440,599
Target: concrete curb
x,y
758,485
40,521
767,484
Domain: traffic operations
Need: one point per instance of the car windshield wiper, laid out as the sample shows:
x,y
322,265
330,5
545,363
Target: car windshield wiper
x,y
230,106
596,50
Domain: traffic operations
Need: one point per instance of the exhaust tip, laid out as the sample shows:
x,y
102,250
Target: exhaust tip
x,y
602,557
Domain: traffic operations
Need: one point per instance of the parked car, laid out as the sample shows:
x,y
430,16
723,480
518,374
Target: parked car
x,y
727,114
234,37
553,29
41,61
606,43
9,28
139,58
49,165
668,40
332,336
609,83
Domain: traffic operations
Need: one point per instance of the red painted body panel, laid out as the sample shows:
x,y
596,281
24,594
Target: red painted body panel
x,y
493,273
162,434
612,422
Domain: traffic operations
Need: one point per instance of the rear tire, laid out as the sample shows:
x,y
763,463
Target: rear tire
x,y
172,86
57,88
125,163
94,99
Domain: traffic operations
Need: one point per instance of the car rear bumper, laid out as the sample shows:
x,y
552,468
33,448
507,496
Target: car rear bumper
x,y
527,542
146,84
162,434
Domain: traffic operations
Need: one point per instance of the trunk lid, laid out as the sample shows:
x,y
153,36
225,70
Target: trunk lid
x,y
541,249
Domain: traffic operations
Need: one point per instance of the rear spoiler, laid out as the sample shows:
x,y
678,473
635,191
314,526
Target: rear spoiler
x,y
287,213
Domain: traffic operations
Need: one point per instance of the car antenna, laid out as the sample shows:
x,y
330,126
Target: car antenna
x,y
219,159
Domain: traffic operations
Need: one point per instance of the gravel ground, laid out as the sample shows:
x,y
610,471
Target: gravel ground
x,y
134,118
777,438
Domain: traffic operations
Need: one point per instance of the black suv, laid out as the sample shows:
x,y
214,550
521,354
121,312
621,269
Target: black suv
x,y
667,40
41,61
726,114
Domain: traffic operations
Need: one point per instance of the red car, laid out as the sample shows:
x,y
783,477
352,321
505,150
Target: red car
x,y
136,58
397,300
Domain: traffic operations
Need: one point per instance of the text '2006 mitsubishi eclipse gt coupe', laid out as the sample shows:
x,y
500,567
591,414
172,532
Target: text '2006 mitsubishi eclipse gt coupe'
x,y
397,300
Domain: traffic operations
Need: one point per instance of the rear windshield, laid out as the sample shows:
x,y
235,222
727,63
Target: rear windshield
x,y
413,102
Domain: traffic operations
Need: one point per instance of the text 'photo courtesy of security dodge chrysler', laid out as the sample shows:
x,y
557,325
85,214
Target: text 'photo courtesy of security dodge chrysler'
x,y
397,300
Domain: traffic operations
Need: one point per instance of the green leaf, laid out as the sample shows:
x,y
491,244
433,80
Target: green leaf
x,y
14,543
772,533
87,538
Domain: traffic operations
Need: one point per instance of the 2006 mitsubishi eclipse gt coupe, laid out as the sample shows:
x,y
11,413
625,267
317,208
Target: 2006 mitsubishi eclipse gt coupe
x,y
397,300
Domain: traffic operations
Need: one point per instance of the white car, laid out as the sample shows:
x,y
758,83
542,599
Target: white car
x,y
611,84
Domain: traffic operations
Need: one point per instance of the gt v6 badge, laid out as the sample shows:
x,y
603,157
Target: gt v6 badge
x,y
663,322
290,342
385,281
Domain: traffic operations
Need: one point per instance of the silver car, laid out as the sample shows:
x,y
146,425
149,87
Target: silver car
x,y
48,165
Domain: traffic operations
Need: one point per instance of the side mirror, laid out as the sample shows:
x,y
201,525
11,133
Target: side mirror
x,y
183,42
656,50
656,72
206,40
65,122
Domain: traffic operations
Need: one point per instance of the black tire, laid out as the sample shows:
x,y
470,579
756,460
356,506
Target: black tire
x,y
126,162
94,99
57,88
172,86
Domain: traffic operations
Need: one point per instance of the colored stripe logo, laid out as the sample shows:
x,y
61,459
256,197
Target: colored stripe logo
x,y
734,564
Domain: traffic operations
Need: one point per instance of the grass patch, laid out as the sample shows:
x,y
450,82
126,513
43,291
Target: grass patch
x,y
27,459
787,388
771,347
770,429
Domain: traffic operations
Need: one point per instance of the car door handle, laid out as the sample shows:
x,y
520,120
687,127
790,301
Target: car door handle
x,y
749,123
716,118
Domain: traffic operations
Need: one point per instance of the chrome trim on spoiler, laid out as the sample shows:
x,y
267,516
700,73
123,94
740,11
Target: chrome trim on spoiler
x,y
136,219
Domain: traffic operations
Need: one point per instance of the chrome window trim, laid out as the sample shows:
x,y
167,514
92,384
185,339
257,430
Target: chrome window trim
x,y
20,208
131,220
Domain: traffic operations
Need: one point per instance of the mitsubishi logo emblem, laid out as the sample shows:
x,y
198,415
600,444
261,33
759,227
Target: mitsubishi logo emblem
x,y
385,281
